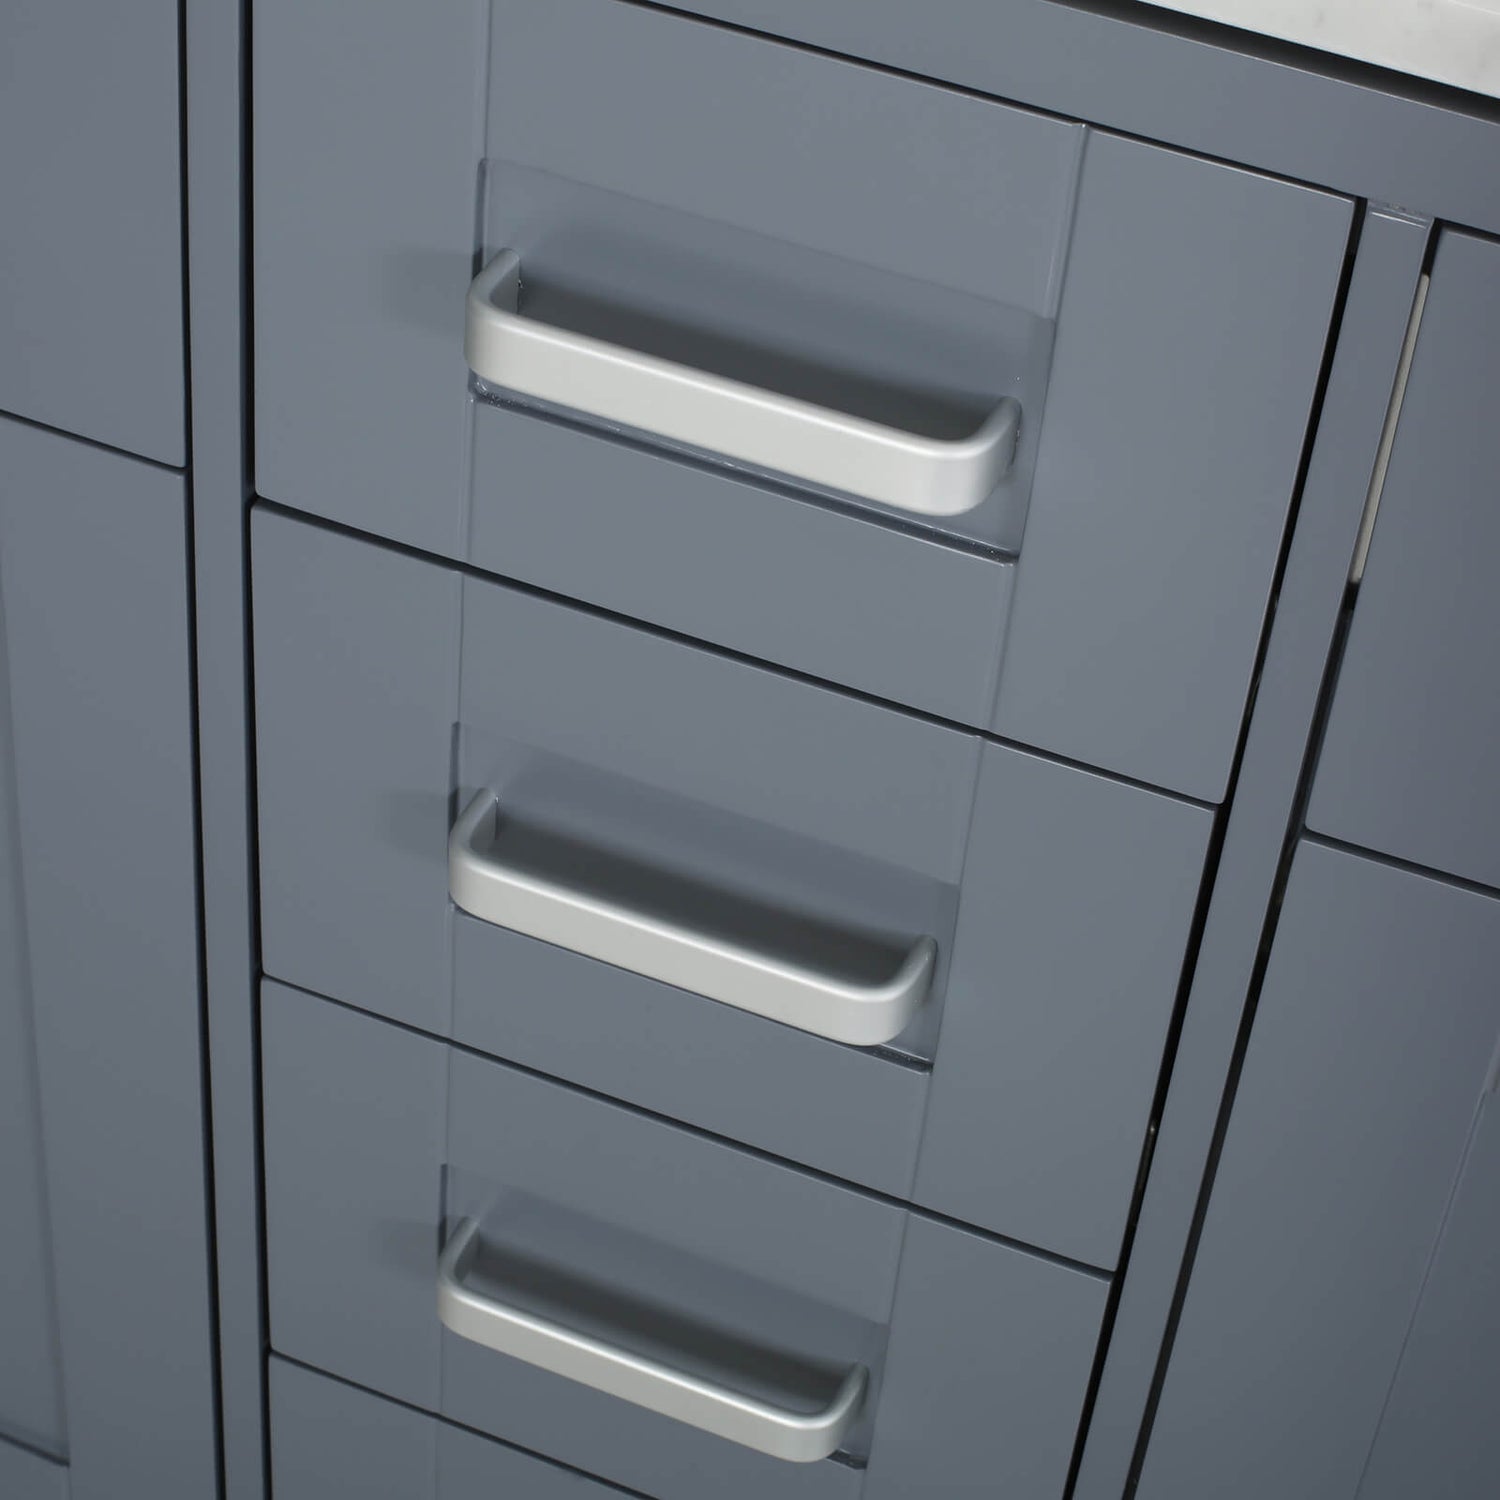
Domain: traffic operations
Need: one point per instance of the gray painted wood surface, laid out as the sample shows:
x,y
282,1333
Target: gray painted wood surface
x,y
91,325
1411,757
1371,1047
31,1405
374,1131
25,1475
1075,892
93,572
1262,819
1078,897
1163,468
1169,79
1437,1433
1194,317
1219,90
333,1441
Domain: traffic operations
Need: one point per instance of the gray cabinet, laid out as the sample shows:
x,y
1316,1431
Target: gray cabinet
x,y
106,1357
726,861
91,302
677,191
1411,759
687,1260
1370,1056
738,805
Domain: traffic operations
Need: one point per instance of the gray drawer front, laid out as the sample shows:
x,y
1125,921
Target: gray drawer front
x,y
1370,1054
1194,316
1061,901
91,274
620,172
672,169
1408,765
333,1441
376,1135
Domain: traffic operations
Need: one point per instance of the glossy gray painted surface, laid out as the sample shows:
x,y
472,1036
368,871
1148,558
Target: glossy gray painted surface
x,y
1372,1043
332,1441
365,642
701,551
895,613
1437,1434
1173,78
26,1476
91,260
1354,407
733,217
1078,890
364,246
1194,316
1408,762
989,1350
795,136
1078,897
219,486
93,577
31,1408
1155,528
638,1208
781,1090
748,213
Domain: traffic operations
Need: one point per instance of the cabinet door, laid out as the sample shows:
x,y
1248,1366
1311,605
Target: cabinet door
x,y
1370,1053
1438,1437
91,248
1409,764
106,1379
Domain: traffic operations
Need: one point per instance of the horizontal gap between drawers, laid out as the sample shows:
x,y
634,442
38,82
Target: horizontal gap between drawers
x,y
1410,866
708,1135
100,446
488,1437
480,575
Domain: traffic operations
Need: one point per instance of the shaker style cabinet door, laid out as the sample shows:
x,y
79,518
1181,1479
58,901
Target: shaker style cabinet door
x,y
1411,762
1367,1080
91,250
106,1374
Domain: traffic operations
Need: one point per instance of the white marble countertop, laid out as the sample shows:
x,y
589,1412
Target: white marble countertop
x,y
1452,41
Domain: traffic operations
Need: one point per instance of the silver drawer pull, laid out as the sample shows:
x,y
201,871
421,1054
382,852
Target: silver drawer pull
x,y
927,476
797,1436
528,897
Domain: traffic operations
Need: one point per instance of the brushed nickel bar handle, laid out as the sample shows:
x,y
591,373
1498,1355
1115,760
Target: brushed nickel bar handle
x,y
923,475
796,1436
483,884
